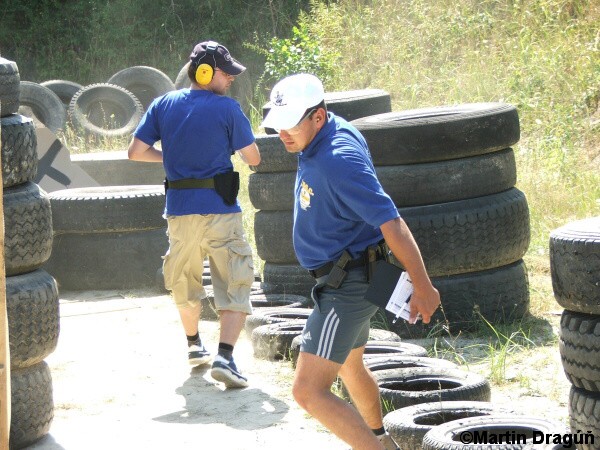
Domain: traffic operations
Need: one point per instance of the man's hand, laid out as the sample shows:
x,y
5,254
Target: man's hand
x,y
425,298
424,304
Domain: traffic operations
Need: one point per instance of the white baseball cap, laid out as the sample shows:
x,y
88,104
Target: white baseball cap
x,y
290,98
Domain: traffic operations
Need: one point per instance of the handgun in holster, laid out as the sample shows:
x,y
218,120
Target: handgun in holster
x,y
337,275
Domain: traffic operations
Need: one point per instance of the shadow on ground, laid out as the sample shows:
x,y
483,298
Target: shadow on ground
x,y
208,403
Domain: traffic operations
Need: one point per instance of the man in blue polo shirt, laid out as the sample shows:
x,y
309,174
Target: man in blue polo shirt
x,y
199,129
340,210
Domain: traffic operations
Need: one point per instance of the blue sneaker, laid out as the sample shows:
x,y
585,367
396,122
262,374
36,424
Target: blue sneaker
x,y
197,354
226,372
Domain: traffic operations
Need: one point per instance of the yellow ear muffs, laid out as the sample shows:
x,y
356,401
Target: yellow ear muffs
x,y
204,74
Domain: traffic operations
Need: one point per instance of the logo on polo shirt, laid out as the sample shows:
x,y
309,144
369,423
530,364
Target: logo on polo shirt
x,y
305,337
305,193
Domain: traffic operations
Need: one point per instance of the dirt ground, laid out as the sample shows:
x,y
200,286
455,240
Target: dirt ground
x,y
121,381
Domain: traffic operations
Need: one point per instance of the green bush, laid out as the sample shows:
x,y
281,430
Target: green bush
x,y
300,53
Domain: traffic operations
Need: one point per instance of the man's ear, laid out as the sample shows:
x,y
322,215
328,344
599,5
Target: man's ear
x,y
321,117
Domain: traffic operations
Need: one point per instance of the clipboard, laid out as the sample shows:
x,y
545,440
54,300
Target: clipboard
x,y
390,288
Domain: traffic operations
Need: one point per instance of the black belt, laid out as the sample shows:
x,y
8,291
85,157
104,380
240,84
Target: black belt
x,y
190,183
326,268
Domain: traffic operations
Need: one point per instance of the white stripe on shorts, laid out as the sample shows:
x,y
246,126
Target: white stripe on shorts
x,y
328,334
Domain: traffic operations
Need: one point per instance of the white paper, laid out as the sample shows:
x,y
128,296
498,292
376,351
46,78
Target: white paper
x,y
398,302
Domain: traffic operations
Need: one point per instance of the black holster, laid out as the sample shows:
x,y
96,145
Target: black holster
x,y
379,251
227,185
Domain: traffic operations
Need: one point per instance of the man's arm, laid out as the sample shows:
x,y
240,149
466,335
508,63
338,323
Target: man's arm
x,y
140,151
425,298
250,154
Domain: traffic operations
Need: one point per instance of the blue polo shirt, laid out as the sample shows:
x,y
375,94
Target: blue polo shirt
x,y
339,203
199,131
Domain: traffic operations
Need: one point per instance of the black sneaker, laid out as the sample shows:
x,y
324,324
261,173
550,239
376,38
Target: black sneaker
x,y
226,372
197,354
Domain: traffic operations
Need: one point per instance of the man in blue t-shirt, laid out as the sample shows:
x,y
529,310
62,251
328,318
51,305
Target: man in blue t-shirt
x,y
340,209
199,129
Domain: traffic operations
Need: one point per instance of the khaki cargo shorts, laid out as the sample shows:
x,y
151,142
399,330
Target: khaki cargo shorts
x,y
220,237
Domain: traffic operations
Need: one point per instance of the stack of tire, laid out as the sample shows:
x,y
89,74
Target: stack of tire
x,y
575,272
271,188
31,293
107,237
451,172
115,108
102,110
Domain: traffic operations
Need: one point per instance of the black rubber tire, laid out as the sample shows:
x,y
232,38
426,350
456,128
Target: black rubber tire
x,y
386,363
265,316
471,235
44,104
439,133
351,105
409,425
377,349
262,300
408,387
273,341
273,155
273,236
182,80
118,260
272,191
108,208
27,228
579,348
584,415
455,237
18,150
446,436
287,279
33,317
91,107
407,185
378,334
145,82
500,295
64,89
32,405
9,87
450,180
575,265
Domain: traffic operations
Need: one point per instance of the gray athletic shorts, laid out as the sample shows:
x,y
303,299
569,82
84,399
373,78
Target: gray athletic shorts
x,y
340,320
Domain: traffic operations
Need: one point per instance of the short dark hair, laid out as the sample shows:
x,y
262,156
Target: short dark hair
x,y
310,111
191,71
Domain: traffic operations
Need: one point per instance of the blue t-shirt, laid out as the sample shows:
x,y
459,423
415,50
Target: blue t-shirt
x,y
339,203
199,131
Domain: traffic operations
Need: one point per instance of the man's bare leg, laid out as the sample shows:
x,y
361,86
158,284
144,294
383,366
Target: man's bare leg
x,y
312,390
189,319
232,323
363,388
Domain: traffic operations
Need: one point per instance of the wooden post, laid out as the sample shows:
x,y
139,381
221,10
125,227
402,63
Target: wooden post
x,y
4,350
